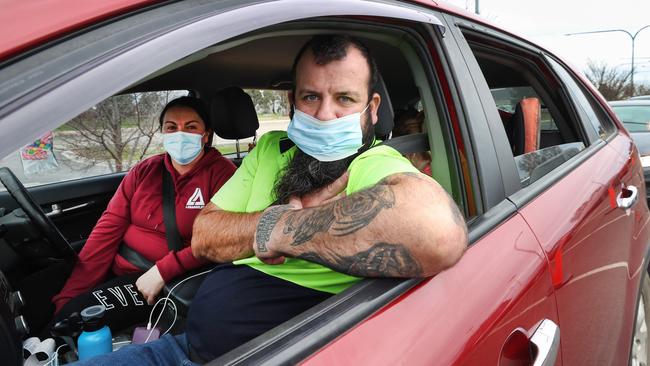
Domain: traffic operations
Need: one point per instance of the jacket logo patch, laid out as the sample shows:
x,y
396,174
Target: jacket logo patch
x,y
196,200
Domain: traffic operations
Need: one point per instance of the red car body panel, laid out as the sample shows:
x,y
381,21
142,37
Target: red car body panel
x,y
27,24
595,270
463,315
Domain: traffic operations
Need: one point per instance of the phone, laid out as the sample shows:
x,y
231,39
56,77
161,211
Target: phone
x,y
140,335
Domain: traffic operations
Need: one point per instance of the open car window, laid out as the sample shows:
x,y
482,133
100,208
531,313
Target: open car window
x,y
544,128
109,137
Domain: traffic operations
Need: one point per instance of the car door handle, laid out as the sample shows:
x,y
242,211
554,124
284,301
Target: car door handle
x,y
546,339
628,197
57,210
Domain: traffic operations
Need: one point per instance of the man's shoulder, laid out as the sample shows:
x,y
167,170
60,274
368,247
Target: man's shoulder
x,y
380,152
273,142
271,137
375,164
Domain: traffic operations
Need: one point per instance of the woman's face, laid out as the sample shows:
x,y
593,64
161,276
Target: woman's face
x,y
184,119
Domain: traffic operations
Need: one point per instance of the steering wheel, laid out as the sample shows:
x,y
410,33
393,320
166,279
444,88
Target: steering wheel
x,y
36,215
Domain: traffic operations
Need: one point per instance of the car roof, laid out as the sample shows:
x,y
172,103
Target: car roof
x,y
26,24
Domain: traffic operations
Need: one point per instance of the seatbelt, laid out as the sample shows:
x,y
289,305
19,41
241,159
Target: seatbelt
x,y
174,241
135,258
407,144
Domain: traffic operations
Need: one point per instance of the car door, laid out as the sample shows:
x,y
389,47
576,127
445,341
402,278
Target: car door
x,y
74,206
485,310
579,194
596,239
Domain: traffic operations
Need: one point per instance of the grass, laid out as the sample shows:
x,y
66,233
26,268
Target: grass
x,y
271,117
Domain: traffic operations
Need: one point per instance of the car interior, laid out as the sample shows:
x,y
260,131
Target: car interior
x,y
40,241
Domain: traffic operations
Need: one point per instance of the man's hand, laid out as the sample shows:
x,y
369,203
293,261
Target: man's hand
x,y
327,194
262,245
150,284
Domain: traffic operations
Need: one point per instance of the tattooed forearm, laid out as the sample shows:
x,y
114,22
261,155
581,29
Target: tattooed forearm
x,y
343,217
305,226
265,226
356,212
381,260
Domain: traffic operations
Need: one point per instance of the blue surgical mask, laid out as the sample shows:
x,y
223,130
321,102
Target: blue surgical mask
x,y
183,147
327,140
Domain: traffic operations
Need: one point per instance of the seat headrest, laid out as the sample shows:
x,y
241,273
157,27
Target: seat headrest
x,y
523,128
232,113
385,114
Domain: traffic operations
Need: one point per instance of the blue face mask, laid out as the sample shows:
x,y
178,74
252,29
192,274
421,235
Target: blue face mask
x,y
183,147
327,140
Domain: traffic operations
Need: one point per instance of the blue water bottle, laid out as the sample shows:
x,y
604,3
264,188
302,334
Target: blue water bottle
x,y
96,338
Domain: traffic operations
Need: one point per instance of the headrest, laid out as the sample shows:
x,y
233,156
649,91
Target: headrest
x,y
385,114
523,128
232,113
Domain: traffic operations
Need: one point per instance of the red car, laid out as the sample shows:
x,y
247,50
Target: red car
x,y
548,179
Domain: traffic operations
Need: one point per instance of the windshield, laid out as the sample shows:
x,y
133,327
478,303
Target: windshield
x,y
636,118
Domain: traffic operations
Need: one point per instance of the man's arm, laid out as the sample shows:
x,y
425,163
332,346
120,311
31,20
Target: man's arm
x,y
405,226
223,236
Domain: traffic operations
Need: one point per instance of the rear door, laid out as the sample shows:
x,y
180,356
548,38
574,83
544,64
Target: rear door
x,y
596,241
570,183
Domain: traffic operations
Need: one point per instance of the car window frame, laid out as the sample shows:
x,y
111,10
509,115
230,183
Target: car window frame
x,y
609,125
520,196
31,88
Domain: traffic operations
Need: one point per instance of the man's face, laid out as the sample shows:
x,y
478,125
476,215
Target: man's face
x,y
336,89
327,92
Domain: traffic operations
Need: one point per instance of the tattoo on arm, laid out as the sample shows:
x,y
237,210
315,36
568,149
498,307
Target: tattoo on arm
x,y
344,216
267,223
381,260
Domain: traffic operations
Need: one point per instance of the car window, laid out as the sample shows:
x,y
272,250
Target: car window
x,y
109,137
586,104
538,119
636,118
506,99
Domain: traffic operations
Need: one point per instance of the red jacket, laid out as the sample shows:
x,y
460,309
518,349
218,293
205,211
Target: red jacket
x,y
135,216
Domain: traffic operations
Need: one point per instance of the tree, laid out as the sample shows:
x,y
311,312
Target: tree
x,y
612,83
117,131
269,101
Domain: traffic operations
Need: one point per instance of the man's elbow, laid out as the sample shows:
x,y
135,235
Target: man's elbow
x,y
449,248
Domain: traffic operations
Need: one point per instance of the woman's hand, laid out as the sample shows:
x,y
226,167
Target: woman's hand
x,y
150,284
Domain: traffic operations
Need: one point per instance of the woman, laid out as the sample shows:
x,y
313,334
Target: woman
x,y
134,218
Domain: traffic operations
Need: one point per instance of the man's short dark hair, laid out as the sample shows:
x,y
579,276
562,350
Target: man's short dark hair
x,y
333,47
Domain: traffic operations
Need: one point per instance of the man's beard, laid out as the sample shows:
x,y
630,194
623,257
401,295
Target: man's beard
x,y
306,174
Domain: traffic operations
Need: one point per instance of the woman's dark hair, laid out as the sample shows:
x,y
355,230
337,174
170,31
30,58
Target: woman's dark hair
x,y
197,106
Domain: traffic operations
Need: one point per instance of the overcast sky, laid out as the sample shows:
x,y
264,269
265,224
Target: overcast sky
x,y
545,22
